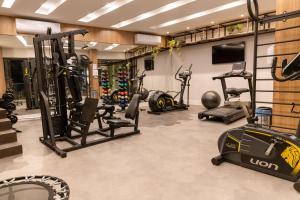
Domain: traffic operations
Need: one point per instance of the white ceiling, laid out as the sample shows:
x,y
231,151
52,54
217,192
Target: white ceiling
x,y
72,10
12,42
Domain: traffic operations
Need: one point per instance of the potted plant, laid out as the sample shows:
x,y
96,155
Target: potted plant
x,y
237,28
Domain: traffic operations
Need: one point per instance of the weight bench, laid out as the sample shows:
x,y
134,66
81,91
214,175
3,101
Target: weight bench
x,y
131,119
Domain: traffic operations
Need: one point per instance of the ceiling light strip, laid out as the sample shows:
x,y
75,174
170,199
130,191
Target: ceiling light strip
x,y
201,14
111,47
8,3
104,10
22,40
49,6
152,13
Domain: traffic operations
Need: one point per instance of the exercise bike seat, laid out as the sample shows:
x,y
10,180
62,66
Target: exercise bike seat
x,y
236,91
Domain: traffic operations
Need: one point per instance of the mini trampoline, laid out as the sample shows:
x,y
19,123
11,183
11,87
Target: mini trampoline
x,y
34,188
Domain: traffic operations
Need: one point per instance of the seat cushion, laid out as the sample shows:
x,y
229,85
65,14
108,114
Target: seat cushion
x,y
118,122
106,107
236,91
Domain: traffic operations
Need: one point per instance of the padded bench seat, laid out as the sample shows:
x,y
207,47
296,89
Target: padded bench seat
x,y
118,122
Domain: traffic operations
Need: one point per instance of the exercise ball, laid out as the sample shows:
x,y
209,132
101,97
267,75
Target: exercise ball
x,y
211,99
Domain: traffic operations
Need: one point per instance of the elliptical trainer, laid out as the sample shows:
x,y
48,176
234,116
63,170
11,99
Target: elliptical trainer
x,y
160,101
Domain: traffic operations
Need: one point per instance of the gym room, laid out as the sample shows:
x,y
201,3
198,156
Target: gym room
x,y
149,100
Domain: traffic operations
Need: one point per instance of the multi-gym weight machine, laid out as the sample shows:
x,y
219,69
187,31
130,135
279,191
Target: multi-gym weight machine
x,y
62,107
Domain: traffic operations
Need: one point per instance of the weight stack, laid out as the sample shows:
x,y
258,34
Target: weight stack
x,y
9,145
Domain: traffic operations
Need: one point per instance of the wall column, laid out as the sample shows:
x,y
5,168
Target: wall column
x,y
93,76
2,75
281,7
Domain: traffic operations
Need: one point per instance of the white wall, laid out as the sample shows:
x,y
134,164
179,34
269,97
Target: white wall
x,y
200,56
110,55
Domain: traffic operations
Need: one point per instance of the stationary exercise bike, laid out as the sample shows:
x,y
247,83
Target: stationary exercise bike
x,y
161,101
263,149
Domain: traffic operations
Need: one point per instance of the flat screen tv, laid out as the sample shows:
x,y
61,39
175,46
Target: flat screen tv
x,y
149,63
228,53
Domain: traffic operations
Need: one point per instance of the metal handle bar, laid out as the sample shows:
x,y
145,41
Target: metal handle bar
x,y
292,77
254,14
178,73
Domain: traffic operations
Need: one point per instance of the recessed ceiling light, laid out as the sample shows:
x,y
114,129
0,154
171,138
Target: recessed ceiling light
x,y
212,22
111,47
202,13
188,28
152,13
49,6
242,15
8,3
109,7
168,33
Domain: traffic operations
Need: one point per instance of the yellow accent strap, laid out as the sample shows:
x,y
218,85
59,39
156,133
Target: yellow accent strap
x,y
236,140
260,133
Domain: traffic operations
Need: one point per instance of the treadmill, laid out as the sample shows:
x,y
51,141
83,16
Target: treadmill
x,y
232,110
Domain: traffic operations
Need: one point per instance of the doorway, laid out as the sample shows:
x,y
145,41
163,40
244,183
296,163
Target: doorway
x,y
20,76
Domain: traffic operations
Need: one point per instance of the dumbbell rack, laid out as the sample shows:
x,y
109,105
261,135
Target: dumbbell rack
x,y
105,86
123,87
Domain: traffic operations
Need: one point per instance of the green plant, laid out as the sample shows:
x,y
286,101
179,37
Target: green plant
x,y
237,27
174,44
155,51
171,45
230,29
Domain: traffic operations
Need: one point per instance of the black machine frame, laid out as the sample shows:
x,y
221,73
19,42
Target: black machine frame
x,y
267,19
55,104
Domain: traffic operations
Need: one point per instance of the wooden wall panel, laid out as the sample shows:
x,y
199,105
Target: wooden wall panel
x,y
282,6
94,82
2,75
102,35
7,25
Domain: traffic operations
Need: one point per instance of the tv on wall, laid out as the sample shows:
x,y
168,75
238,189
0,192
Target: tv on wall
x,y
149,63
228,53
